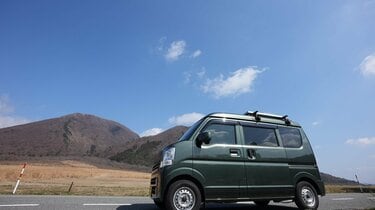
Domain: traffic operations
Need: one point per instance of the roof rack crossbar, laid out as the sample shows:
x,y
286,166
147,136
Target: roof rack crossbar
x,y
254,114
257,116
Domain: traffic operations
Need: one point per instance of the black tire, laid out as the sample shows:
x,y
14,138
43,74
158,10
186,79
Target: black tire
x,y
159,204
183,195
262,203
306,196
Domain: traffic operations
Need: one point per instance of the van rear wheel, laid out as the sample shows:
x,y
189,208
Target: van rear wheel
x,y
306,196
183,195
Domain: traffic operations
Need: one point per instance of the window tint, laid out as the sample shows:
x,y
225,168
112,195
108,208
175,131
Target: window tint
x,y
221,133
291,137
260,136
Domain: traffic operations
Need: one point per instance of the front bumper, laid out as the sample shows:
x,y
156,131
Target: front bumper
x,y
155,183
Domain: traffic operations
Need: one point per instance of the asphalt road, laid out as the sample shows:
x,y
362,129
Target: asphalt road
x,y
331,201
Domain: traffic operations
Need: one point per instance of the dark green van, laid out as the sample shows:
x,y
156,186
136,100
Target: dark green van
x,y
231,158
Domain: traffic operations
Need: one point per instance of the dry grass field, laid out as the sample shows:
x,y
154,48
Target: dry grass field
x,y
54,178
349,188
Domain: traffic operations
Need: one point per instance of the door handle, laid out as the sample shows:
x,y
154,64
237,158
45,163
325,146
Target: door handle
x,y
235,152
251,154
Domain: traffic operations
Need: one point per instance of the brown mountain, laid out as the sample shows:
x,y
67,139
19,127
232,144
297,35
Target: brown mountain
x,y
70,135
146,150
329,179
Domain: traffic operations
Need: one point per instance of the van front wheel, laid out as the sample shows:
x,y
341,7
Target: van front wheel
x,y
306,196
183,195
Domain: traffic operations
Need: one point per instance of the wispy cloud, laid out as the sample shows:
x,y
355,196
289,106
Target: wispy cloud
x,y
367,67
185,119
187,76
151,132
7,118
5,106
175,50
365,141
8,121
161,42
239,82
196,53
194,77
315,123
202,73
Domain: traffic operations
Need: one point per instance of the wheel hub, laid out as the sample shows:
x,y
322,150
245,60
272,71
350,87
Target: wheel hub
x,y
308,196
184,199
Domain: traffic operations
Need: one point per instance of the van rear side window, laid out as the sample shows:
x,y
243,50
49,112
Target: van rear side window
x,y
260,136
291,137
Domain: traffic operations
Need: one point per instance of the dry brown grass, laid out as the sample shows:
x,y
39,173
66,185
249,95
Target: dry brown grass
x,y
55,177
40,178
348,189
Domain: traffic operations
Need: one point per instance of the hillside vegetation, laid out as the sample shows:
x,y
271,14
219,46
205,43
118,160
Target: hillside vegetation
x,y
147,150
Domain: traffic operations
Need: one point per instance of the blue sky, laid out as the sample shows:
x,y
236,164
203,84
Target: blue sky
x,y
153,65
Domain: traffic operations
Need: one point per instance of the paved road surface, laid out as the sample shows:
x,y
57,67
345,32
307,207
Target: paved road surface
x,y
13,202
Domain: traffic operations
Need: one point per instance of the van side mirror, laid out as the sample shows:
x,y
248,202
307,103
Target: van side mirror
x,y
204,137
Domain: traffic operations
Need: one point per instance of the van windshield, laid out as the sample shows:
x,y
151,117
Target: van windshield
x,y
187,135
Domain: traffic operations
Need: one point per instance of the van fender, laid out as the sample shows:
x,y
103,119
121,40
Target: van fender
x,y
304,175
184,173
318,184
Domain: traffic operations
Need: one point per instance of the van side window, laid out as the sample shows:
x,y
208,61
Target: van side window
x,y
291,137
260,136
221,133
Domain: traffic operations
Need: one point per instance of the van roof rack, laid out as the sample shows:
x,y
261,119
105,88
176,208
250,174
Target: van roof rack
x,y
258,116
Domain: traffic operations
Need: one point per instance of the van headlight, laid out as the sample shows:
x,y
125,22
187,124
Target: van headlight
x,y
168,157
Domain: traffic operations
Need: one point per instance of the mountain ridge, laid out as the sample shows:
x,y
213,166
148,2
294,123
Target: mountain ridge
x,y
70,135
146,150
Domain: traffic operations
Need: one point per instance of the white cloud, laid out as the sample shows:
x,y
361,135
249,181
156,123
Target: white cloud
x,y
237,83
187,76
366,141
185,119
196,53
8,121
6,118
315,123
201,73
367,66
176,49
151,132
5,107
161,42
